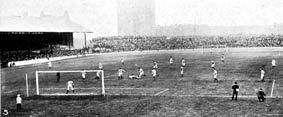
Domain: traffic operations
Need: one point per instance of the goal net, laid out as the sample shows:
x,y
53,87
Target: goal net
x,y
86,82
215,48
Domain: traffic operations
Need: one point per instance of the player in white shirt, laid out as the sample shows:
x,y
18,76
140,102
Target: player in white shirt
x,y
215,75
273,63
83,74
171,60
154,74
183,63
155,66
120,73
49,65
9,64
19,102
100,66
141,72
262,74
70,86
213,64
132,76
97,75
182,71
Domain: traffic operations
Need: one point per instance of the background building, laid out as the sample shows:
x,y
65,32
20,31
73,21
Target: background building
x,y
136,17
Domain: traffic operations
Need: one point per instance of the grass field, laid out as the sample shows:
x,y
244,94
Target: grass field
x,y
195,94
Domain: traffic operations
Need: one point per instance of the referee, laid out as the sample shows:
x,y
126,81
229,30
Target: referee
x,y
235,88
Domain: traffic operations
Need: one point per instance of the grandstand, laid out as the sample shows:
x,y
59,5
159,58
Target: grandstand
x,y
26,37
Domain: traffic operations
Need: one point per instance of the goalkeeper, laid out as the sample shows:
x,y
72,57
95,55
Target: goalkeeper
x,y
260,95
70,86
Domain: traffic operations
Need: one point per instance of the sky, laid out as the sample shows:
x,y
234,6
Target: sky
x,y
100,16
219,12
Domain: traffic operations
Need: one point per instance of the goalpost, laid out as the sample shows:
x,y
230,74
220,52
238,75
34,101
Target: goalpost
x,y
74,75
214,48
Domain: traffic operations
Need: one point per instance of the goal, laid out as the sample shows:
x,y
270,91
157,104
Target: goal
x,y
215,48
55,82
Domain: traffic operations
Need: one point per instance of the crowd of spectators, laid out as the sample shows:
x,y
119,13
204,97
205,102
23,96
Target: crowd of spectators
x,y
149,43
11,56
184,42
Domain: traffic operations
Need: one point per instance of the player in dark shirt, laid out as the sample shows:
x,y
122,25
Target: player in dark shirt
x,y
58,76
260,95
235,88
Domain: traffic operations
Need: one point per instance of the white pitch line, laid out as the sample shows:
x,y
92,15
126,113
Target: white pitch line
x,y
126,88
91,94
273,114
239,96
64,94
127,79
11,91
134,88
224,96
157,94
161,92
144,94
272,88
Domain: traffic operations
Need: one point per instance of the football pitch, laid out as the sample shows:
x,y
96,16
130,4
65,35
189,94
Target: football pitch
x,y
195,94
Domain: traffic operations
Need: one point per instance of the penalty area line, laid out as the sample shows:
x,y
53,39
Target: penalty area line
x,y
271,94
161,92
12,91
223,96
273,114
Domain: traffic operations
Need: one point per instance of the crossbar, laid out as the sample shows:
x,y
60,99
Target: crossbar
x,y
69,71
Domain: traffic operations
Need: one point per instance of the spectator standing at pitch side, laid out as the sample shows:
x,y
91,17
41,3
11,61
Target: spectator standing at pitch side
x,y
235,88
19,102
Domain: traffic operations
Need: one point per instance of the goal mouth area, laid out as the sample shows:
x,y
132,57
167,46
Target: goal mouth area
x,y
94,91
66,97
109,96
46,87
